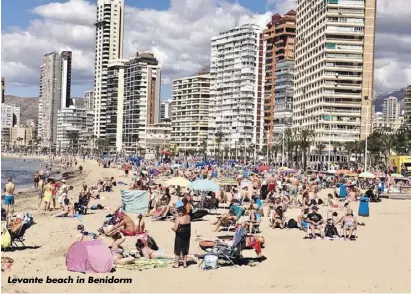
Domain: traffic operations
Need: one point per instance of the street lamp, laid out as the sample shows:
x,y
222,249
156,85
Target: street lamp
x,y
366,134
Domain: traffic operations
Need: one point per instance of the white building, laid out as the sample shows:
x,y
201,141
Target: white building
x,y
190,112
391,109
109,46
334,68
158,137
89,100
55,93
77,120
10,115
165,110
236,87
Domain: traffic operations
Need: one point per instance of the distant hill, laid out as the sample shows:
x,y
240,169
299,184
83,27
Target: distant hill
x,y
379,100
29,106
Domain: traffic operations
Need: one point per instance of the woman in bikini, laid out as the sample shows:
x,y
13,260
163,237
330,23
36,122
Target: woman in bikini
x,y
349,224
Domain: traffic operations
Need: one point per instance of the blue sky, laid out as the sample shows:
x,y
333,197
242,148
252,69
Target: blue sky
x,y
19,17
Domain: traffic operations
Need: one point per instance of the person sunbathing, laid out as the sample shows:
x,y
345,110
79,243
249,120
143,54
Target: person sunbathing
x,y
316,222
349,225
149,253
119,257
68,209
278,218
140,225
302,218
225,219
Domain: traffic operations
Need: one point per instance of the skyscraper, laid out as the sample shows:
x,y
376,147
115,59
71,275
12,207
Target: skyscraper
x,y
66,79
407,107
165,110
334,65
279,40
89,100
55,85
10,115
190,111
109,45
391,109
236,88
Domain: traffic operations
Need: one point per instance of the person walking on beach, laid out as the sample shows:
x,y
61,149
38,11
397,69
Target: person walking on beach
x,y
9,197
40,192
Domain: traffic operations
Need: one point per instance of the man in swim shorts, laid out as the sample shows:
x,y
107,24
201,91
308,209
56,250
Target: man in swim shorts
x,y
9,197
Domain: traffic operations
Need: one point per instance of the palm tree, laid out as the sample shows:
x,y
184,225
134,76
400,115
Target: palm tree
x,y
227,151
204,148
350,148
19,140
157,151
290,142
305,141
219,139
73,136
320,147
240,145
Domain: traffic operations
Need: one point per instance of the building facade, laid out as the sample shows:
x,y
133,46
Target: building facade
x,y
109,45
21,135
10,115
407,106
115,103
165,110
142,81
236,109
334,65
190,112
283,96
55,93
89,100
3,89
279,41
391,109
158,137
74,120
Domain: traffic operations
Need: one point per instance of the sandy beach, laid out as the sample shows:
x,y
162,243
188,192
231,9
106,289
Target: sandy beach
x,y
379,261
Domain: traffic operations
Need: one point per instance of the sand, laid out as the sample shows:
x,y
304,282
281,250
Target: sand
x,y
379,261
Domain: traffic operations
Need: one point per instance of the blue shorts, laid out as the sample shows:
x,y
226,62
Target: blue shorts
x,y
9,200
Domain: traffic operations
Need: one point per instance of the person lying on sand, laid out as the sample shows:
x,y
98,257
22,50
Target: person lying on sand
x,y
225,219
68,209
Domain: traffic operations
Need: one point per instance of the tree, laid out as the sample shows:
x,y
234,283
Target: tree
x,y
305,141
73,136
349,147
219,139
320,147
290,142
204,148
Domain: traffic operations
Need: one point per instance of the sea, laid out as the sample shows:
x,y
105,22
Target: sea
x,y
21,170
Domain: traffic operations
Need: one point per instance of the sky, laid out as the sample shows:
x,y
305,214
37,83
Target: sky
x,y
178,32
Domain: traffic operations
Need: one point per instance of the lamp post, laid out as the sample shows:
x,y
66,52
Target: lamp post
x,y
366,134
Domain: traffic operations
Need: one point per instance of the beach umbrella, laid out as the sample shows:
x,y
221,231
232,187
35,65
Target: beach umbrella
x,y
343,172
287,171
397,176
284,168
379,174
204,185
178,181
226,182
264,167
332,172
367,175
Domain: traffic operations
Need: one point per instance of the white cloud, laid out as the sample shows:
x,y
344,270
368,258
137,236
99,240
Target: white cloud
x,y
179,37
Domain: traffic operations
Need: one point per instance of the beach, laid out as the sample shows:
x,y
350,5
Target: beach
x,y
379,261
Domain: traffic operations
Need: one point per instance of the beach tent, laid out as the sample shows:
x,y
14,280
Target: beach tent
x,y
134,201
89,257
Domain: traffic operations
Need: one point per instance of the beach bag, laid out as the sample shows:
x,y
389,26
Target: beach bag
x,y
330,231
210,262
292,224
5,239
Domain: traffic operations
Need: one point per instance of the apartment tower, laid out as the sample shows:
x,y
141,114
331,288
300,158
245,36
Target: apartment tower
x,y
109,45
236,91
279,40
334,65
391,109
190,111
55,89
407,107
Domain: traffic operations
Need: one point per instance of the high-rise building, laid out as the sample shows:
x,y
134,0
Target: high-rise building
x,y
3,89
142,81
165,110
391,109
334,65
115,103
109,45
21,135
407,107
279,40
55,93
236,88
10,115
190,112
74,127
89,100
66,79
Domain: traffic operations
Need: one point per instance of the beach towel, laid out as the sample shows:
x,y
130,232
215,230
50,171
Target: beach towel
x,y
135,201
89,257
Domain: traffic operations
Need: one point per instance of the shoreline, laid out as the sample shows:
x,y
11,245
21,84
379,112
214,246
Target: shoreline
x,y
11,155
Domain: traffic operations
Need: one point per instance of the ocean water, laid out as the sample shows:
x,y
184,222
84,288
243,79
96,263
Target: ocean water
x,y
21,170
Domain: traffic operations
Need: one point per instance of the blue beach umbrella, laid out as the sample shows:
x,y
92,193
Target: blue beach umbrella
x,y
204,185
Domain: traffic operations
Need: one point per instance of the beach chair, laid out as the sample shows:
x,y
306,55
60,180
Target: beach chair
x,y
239,212
229,252
18,237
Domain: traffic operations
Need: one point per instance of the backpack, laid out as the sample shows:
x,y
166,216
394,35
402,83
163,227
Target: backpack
x,y
292,224
330,231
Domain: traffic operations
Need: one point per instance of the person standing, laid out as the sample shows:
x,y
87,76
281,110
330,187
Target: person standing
x,y
9,197
40,191
182,228
48,195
